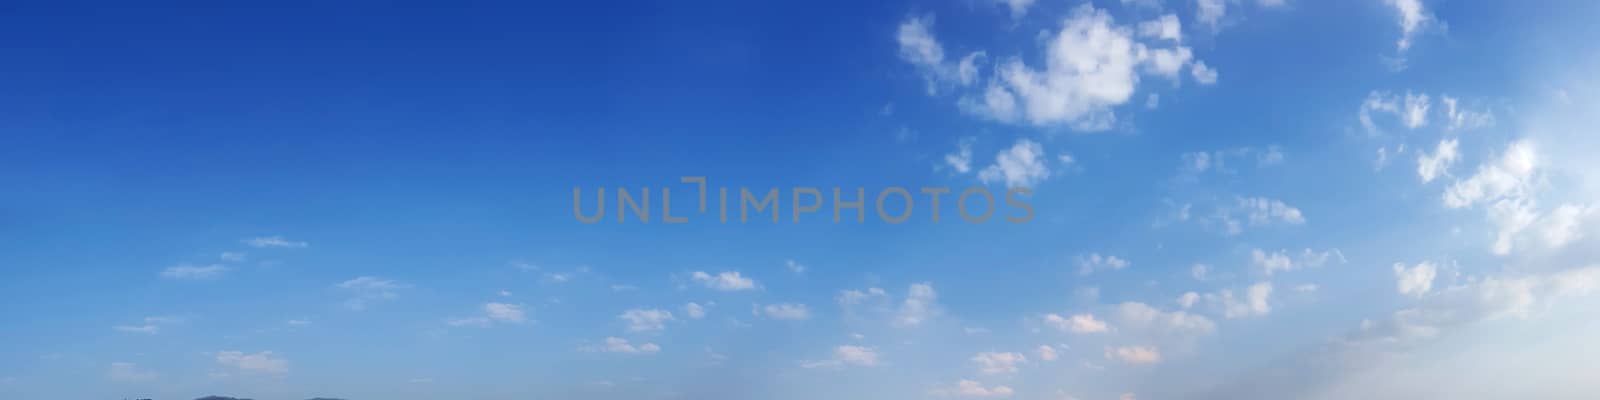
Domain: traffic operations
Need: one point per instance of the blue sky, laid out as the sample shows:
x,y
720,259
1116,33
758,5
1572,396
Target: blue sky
x,y
1244,199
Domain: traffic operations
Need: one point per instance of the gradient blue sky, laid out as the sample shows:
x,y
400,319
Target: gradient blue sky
x,y
372,200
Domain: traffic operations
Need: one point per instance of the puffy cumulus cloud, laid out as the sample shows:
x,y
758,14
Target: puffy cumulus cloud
x,y
1254,303
847,355
1022,165
1078,323
1047,353
1092,262
367,290
645,320
975,389
1091,66
1165,27
1134,354
694,310
922,50
1203,74
274,241
1430,166
1188,299
193,272
961,160
1415,280
1507,190
621,346
786,311
995,363
262,362
725,281
1283,260
1507,177
921,304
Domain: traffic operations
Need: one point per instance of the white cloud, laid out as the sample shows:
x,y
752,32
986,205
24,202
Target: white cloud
x,y
725,281
274,241
1280,261
694,310
1199,271
1415,281
994,363
1091,66
193,272
1023,165
1142,317
971,388
1254,304
1413,18
151,325
1188,299
645,320
1484,299
262,362
1047,353
1416,110
847,355
503,312
1505,185
919,48
1018,7
128,372
852,297
794,266
620,345
1262,211
1078,323
1095,262
786,311
1134,354
1168,63
1507,176
1203,74
920,305
1561,226
1306,288
230,256
961,160
1377,102
1438,163
1210,12
1459,119
1166,27
367,290
144,329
